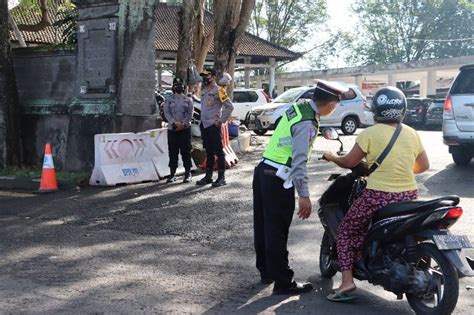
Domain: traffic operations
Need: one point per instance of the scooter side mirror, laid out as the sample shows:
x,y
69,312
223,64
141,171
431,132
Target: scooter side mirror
x,y
330,133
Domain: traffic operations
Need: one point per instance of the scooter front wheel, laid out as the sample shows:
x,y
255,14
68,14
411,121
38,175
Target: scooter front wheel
x,y
326,254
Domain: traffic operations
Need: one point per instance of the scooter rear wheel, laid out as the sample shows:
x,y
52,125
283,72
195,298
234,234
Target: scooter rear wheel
x,y
443,301
326,255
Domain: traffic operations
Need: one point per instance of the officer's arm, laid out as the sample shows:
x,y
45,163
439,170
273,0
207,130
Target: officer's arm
x,y
226,103
301,142
167,112
189,113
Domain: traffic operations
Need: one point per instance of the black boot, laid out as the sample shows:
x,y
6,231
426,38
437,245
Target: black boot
x,y
206,179
220,181
172,177
187,176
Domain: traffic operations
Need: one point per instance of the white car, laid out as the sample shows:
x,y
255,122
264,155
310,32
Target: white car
x,y
458,117
244,101
352,112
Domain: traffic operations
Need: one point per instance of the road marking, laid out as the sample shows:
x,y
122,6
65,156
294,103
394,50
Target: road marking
x,y
15,194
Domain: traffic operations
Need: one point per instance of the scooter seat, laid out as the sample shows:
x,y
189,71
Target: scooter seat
x,y
407,207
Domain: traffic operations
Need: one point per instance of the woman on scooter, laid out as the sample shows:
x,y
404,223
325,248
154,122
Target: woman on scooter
x,y
392,181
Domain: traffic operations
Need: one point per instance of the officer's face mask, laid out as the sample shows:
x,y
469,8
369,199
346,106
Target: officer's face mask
x,y
178,89
207,80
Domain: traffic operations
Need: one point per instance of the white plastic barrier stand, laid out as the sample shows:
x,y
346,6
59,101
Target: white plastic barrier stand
x,y
123,158
160,157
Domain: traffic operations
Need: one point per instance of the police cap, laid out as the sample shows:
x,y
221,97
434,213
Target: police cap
x,y
331,87
177,81
208,71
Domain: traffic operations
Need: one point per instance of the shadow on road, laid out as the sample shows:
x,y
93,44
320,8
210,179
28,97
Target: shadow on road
x,y
445,181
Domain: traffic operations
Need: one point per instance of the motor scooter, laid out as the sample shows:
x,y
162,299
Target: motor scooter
x,y
409,249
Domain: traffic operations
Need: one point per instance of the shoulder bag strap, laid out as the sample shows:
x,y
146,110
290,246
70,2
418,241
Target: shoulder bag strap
x,y
386,150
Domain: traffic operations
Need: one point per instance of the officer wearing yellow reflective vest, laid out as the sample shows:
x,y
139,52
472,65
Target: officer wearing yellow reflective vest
x,y
282,170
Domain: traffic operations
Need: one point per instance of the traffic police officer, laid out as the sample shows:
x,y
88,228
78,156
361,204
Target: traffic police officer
x,y
282,170
216,109
178,110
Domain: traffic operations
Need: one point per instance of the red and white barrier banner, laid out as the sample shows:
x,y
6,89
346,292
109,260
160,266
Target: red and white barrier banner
x,y
160,155
230,157
122,158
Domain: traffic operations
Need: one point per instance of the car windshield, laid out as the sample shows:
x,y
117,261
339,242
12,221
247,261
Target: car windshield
x,y
464,83
288,96
437,103
413,103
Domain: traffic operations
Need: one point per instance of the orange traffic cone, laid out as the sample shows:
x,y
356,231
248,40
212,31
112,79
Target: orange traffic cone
x,y
48,175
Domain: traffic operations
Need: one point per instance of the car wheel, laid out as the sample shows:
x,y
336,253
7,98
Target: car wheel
x,y
461,157
260,132
349,125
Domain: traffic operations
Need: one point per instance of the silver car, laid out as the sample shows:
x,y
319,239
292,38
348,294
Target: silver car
x,y
458,117
352,112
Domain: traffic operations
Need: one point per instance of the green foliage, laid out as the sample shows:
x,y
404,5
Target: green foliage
x,y
338,42
34,172
66,21
407,30
286,22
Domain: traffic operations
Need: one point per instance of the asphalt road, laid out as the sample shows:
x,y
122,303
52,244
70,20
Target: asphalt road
x,y
157,248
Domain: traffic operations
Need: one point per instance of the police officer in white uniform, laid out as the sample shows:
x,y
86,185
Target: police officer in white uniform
x,y
178,110
283,170
216,108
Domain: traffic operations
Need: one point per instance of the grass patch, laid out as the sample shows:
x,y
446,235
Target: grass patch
x,y
77,178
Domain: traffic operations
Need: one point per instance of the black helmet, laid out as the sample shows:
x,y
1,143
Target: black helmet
x,y
389,105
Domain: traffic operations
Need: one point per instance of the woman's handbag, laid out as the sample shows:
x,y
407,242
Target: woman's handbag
x,y
361,182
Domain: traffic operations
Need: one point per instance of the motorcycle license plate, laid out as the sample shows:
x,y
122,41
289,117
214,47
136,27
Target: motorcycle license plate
x,y
444,242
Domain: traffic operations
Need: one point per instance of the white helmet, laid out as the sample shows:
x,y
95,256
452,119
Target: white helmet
x,y
225,80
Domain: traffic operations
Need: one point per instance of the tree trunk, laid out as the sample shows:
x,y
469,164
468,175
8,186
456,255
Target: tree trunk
x,y
185,39
231,18
45,21
18,34
202,41
10,149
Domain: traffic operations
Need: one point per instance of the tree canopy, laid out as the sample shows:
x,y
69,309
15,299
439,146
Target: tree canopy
x,y
409,30
286,22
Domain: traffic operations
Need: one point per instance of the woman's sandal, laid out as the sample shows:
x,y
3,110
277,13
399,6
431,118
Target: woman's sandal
x,y
341,296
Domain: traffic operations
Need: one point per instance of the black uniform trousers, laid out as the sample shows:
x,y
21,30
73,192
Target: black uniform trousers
x,y
179,142
212,142
273,208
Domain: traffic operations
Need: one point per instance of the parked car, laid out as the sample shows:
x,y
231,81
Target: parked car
x,y
351,113
434,114
244,100
416,111
458,116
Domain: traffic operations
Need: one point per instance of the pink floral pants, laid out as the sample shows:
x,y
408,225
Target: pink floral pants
x,y
354,226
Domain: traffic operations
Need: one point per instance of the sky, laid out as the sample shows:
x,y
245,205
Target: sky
x,y
340,18
12,3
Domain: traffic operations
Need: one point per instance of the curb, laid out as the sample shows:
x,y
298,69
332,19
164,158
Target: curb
x,y
27,184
